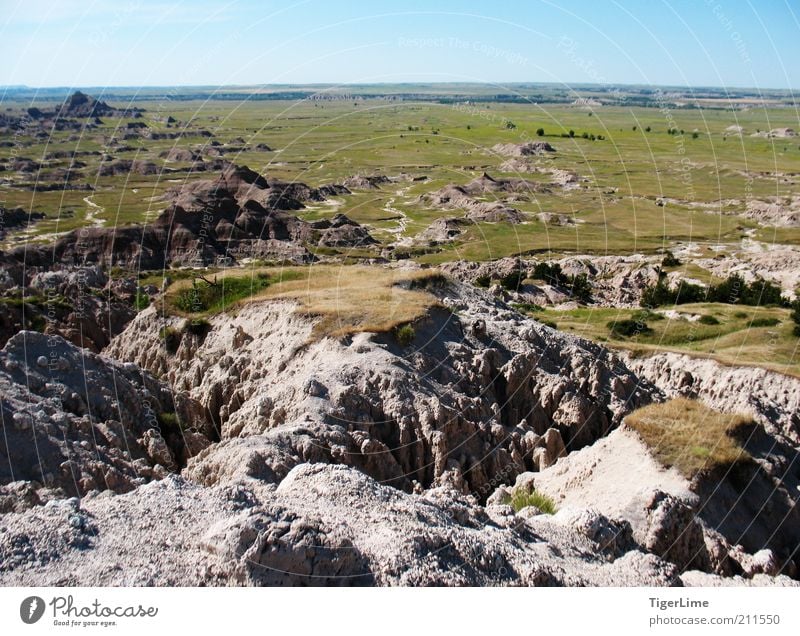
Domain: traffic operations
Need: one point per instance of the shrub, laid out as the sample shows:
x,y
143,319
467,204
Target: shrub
x,y
513,280
627,328
197,327
141,301
405,335
540,132
551,274
171,338
764,322
521,498
796,317
581,288
707,319
670,260
571,133
169,422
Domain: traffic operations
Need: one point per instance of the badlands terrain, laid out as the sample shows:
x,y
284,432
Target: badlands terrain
x,y
399,336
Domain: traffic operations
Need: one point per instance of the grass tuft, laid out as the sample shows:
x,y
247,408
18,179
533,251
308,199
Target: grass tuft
x,y
521,498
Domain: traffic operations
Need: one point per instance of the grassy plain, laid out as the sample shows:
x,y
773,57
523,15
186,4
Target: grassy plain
x,y
615,207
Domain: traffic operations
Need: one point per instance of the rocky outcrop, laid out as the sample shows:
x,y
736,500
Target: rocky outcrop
x,y
528,149
728,522
466,406
80,304
773,399
127,166
324,525
340,231
467,197
75,422
238,215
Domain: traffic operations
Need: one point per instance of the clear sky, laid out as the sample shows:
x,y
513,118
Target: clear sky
x,y
753,43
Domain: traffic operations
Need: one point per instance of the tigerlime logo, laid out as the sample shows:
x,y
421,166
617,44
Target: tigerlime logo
x,y
31,609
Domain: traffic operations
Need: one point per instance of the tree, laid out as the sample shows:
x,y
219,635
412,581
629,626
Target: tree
x,y
571,133
540,132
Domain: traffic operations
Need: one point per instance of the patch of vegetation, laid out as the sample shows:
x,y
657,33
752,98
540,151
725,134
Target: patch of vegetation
x,y
733,291
141,301
708,319
796,317
670,260
345,299
645,314
628,328
690,436
527,307
171,338
761,336
547,323
521,498
218,295
197,327
484,280
169,423
513,280
578,285
405,335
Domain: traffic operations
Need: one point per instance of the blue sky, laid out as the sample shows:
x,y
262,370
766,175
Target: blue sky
x,y
754,43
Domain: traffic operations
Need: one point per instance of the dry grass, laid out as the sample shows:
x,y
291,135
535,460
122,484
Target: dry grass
x,y
350,299
690,436
345,299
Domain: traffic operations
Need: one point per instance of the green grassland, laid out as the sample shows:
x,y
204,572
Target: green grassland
x,y
615,208
759,336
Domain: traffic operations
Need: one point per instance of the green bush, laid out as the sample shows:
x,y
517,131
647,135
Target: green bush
x,y
540,132
513,280
213,296
707,319
581,288
627,328
670,260
141,301
764,322
197,327
796,317
405,335
171,338
521,498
